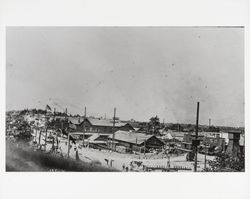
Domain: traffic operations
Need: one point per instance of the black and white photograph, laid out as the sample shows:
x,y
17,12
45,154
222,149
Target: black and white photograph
x,y
125,99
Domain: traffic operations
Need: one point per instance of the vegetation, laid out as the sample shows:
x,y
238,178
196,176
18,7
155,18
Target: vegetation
x,y
225,162
24,131
154,125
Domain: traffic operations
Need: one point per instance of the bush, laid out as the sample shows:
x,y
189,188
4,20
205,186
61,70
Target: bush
x,y
225,162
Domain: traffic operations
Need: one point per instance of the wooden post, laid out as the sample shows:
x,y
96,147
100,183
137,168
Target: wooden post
x,y
205,162
45,140
83,138
35,134
57,141
196,137
144,147
53,144
113,130
68,144
39,140
66,113
46,129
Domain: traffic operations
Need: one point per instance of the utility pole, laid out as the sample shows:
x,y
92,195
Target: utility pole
x,y
46,128
39,141
83,138
196,137
66,113
209,122
45,140
36,134
68,144
113,130
144,147
54,114
205,162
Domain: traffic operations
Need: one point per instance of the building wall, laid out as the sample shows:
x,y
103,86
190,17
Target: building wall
x,y
96,129
233,147
126,127
214,141
189,137
154,142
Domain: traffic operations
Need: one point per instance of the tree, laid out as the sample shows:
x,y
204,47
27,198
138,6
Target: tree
x,y
225,162
24,131
214,129
154,125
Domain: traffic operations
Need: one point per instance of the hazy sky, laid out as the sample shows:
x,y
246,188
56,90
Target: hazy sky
x,y
142,71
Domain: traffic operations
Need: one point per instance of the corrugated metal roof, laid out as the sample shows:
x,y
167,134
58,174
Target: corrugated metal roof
x,y
131,137
105,122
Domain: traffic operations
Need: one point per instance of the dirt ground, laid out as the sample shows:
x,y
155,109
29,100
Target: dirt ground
x,y
120,161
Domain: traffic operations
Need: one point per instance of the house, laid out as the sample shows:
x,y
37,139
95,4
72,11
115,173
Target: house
x,y
89,125
214,142
136,129
135,141
163,131
167,136
188,140
74,123
176,135
104,126
208,139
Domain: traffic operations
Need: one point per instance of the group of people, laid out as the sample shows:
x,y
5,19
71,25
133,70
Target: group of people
x,y
133,166
125,168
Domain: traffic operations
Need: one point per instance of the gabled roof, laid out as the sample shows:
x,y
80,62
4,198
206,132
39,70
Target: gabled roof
x,y
131,137
163,131
168,136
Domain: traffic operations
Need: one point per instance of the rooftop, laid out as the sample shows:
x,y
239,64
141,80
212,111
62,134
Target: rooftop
x,y
105,122
131,137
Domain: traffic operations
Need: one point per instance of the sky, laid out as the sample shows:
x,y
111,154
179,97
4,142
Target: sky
x,y
142,71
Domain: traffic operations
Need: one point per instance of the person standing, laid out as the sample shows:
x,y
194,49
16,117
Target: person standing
x,y
111,162
77,155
